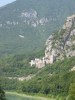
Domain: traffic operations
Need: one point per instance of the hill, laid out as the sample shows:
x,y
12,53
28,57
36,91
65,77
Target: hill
x,y
25,25
56,79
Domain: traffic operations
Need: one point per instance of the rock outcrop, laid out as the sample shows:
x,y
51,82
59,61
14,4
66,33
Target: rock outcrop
x,y
59,45
73,69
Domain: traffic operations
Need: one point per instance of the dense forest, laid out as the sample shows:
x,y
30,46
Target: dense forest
x,y
57,79
18,65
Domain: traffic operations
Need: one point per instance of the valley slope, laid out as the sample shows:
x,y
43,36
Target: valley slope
x,y
25,25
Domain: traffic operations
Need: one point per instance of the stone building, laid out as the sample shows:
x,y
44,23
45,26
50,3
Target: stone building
x,y
47,59
58,48
39,63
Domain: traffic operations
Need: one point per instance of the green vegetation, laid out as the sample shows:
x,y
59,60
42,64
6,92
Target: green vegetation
x,y
10,42
21,96
2,94
54,79
18,65
58,35
72,92
9,84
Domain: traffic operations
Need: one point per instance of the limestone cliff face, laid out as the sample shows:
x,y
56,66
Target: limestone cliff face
x,y
62,43
59,45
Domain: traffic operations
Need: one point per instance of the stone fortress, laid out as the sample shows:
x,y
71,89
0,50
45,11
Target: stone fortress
x,y
58,48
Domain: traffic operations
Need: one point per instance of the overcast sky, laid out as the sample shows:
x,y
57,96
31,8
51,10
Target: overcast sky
x,y
4,2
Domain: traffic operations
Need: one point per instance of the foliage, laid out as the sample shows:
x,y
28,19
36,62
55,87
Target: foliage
x,y
18,65
10,42
72,91
9,84
54,79
2,94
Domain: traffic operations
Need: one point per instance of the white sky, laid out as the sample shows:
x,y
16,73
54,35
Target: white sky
x,y
4,2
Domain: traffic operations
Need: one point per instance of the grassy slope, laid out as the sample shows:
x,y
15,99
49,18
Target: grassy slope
x,y
8,94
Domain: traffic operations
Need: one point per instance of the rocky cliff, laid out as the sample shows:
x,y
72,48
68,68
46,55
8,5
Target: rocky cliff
x,y
59,45
26,24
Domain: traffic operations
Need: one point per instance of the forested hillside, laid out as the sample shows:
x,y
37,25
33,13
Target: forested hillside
x,y
55,79
18,65
25,25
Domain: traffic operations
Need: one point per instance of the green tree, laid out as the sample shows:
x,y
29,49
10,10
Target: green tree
x,y
72,92
2,94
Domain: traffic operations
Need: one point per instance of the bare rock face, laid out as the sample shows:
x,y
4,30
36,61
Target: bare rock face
x,y
31,18
59,45
73,69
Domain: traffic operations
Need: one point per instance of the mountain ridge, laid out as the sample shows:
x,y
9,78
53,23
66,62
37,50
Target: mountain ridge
x,y
31,20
